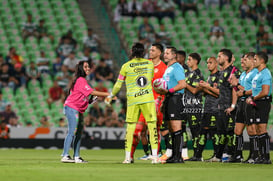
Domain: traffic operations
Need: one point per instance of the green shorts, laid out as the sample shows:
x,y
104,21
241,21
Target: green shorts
x,y
147,109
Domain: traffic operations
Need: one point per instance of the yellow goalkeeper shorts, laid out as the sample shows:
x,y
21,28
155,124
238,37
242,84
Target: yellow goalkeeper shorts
x,y
147,109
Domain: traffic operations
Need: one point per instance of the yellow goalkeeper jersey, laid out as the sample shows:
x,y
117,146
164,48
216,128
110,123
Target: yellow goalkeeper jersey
x,y
137,74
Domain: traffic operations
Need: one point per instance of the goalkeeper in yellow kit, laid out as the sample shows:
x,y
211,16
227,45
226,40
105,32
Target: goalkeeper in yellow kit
x,y
137,74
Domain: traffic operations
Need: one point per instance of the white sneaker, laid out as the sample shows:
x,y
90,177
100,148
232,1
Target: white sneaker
x,y
214,159
80,160
67,159
128,161
155,160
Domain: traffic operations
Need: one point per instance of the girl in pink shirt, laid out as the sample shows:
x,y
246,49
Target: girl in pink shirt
x,y
74,107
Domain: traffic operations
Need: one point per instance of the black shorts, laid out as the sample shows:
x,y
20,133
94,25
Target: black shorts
x,y
173,107
250,114
194,120
209,120
225,123
262,110
240,116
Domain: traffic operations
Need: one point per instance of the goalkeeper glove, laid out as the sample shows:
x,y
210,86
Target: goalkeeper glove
x,y
108,99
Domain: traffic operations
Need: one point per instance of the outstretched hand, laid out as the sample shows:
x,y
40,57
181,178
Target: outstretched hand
x,y
109,99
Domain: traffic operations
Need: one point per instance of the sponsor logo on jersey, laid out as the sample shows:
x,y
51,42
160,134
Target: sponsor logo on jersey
x,y
138,64
140,70
142,92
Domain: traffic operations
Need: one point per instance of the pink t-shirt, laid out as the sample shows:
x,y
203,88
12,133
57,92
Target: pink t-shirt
x,y
79,96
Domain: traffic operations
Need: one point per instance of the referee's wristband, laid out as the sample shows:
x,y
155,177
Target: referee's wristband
x,y
171,90
232,106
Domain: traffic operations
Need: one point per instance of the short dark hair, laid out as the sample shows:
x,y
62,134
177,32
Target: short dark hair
x,y
263,55
181,52
228,53
138,50
250,54
158,46
173,49
195,56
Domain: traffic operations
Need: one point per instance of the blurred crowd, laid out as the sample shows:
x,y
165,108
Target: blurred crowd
x,y
17,71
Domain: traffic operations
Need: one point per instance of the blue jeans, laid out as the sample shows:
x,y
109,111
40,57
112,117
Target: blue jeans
x,y
75,129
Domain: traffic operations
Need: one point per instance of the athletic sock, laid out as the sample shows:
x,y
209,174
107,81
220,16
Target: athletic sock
x,y
134,145
159,140
194,133
177,142
201,143
264,146
146,149
261,145
221,146
251,146
230,143
168,141
127,155
129,138
267,147
256,147
169,152
184,144
153,135
215,139
239,143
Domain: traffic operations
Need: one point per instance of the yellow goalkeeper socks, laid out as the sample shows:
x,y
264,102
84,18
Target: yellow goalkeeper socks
x,y
129,138
153,137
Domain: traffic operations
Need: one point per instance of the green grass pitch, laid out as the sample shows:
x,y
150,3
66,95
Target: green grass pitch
x,y
45,165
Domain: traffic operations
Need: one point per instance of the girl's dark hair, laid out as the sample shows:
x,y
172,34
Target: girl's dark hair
x,y
138,50
78,73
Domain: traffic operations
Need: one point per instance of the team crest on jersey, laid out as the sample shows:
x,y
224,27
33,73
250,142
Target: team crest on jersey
x,y
156,70
213,78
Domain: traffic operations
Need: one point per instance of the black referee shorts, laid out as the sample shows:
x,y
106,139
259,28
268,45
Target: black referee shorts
x,y
173,107
262,110
240,116
250,114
